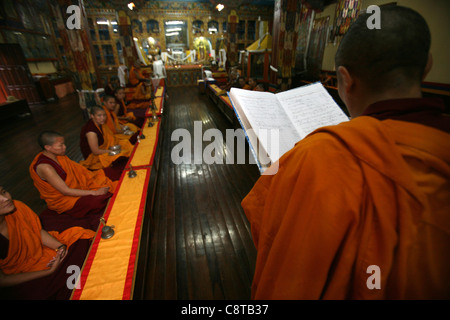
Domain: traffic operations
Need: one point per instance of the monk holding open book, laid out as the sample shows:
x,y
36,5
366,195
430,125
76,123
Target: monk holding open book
x,y
360,210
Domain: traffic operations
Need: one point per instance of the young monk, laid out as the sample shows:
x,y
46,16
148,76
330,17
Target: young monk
x,y
74,195
143,87
95,140
34,262
360,210
122,112
259,87
243,84
251,84
126,131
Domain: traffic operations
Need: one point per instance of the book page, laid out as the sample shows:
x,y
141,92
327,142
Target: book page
x,y
265,116
310,107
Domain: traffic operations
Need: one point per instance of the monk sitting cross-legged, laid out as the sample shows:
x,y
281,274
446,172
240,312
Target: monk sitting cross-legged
x,y
143,87
68,188
122,112
123,131
33,261
96,139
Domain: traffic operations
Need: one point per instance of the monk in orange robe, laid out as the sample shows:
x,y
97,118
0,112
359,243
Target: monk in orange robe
x,y
360,210
96,139
243,84
112,120
123,114
33,261
142,88
127,131
67,187
252,84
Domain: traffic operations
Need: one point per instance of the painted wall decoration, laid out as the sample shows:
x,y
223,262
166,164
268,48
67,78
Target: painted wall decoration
x,y
346,12
316,48
76,47
303,37
286,40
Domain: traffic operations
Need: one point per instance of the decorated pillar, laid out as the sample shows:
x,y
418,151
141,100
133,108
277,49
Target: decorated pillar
x,y
287,15
232,51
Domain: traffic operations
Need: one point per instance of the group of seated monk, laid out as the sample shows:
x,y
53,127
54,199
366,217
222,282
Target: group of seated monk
x,y
36,250
251,84
236,81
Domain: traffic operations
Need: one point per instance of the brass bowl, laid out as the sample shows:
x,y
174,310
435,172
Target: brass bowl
x,y
115,147
128,132
113,152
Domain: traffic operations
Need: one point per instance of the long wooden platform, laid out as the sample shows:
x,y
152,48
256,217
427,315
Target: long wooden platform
x,y
194,239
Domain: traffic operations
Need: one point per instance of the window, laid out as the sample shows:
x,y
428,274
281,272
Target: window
x,y
102,26
108,54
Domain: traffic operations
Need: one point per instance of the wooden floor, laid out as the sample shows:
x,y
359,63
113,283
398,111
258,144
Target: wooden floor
x,y
19,145
200,241
201,246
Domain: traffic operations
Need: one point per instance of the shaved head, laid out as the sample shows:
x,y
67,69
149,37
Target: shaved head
x,y
47,138
394,56
94,109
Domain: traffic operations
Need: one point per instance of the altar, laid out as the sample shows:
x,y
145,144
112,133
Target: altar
x,y
184,75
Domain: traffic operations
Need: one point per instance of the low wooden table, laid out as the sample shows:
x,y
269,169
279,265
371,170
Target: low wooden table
x,y
10,109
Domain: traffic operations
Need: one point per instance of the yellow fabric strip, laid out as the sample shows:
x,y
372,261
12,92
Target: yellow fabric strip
x,y
108,272
145,148
159,92
215,88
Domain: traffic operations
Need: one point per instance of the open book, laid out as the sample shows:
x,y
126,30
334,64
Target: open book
x,y
274,123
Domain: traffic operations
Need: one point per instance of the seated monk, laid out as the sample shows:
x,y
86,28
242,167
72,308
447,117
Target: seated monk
x,y
259,87
243,84
136,76
126,131
143,87
95,140
122,112
252,84
74,195
34,262
232,82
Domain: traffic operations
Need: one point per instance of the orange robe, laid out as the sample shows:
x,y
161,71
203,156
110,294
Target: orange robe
x,y
96,162
112,121
78,177
26,253
133,80
141,93
126,114
347,197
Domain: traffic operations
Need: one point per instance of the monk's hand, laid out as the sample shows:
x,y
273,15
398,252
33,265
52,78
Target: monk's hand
x,y
54,263
62,249
101,191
